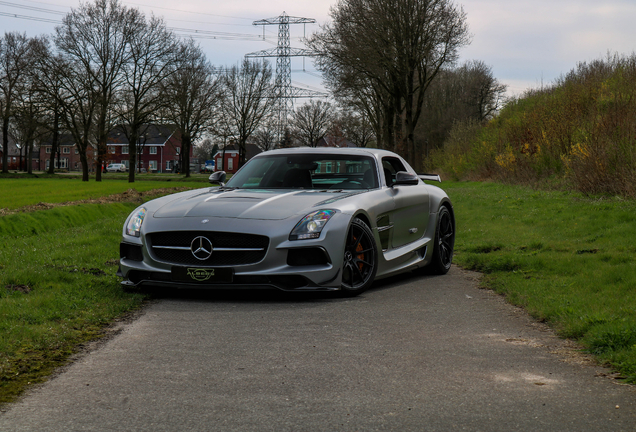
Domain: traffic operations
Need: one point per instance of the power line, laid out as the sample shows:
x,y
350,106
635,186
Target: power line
x,y
303,86
185,11
32,8
188,32
216,35
30,18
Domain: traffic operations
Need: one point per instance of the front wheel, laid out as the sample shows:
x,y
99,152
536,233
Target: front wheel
x,y
444,243
360,259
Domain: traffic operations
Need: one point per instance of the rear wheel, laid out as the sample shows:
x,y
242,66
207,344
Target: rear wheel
x,y
360,259
444,243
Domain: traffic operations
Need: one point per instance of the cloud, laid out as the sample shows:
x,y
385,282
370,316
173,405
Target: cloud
x,y
535,42
525,42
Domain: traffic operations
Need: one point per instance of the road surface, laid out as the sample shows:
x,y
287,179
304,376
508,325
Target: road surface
x,y
412,354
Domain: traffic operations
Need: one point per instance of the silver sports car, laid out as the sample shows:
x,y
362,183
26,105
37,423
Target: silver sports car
x,y
297,220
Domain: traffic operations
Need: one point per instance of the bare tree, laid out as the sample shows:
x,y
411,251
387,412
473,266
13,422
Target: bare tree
x,y
30,107
247,99
222,129
15,60
152,54
192,94
393,49
205,150
467,93
53,81
483,94
77,98
96,37
311,121
373,107
356,128
265,136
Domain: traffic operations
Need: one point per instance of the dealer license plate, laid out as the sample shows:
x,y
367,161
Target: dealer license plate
x,y
202,275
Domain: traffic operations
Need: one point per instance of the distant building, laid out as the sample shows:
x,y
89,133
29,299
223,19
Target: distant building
x,y
67,155
230,165
17,155
158,148
334,141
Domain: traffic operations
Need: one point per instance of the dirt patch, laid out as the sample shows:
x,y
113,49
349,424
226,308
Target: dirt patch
x,y
22,288
131,195
566,350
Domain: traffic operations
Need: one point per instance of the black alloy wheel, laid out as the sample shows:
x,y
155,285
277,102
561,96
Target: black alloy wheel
x,y
360,259
444,242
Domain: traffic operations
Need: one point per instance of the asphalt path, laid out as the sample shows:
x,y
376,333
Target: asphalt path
x,y
412,354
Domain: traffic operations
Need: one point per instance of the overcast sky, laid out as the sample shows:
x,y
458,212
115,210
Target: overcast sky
x,y
526,43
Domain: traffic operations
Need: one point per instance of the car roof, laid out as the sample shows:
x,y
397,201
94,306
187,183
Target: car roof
x,y
330,150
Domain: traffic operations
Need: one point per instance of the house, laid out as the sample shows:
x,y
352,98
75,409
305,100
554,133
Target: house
x,y
230,165
158,148
334,141
67,156
17,155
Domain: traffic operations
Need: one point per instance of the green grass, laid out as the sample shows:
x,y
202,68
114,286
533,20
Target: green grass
x,y
58,289
569,260
20,192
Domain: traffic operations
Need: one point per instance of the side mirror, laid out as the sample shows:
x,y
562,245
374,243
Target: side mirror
x,y
405,178
217,177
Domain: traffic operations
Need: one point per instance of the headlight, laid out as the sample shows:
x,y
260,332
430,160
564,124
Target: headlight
x,y
135,221
311,225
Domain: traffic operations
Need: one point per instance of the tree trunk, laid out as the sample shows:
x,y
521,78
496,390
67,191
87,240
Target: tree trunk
x,y
54,142
5,144
186,142
223,167
84,161
30,156
100,161
132,156
242,153
102,149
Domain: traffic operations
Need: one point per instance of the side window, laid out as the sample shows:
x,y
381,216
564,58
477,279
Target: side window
x,y
390,166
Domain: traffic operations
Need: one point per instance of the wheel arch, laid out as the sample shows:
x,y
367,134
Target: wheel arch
x,y
446,203
438,199
364,217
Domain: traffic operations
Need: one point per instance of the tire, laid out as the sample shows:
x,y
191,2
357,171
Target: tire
x,y
360,261
444,243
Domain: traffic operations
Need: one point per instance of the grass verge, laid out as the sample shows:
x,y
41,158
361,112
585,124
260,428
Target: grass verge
x,y
58,289
26,191
566,258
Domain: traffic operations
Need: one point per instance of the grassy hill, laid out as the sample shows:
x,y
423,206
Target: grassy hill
x,y
578,134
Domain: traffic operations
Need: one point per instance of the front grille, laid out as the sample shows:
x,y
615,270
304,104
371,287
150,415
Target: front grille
x,y
131,252
307,256
229,249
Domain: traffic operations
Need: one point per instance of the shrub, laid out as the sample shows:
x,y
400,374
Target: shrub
x,y
581,129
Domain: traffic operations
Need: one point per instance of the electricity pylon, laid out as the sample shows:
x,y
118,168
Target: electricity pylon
x,y
284,92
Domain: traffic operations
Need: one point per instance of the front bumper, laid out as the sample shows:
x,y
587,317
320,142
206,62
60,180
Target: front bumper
x,y
287,265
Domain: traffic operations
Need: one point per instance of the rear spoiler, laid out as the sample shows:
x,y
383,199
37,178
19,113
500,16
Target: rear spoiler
x,y
430,177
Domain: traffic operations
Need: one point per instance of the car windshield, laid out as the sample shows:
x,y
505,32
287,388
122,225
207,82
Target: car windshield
x,y
307,171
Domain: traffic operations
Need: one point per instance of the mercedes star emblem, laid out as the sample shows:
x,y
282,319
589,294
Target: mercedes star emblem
x,y
201,248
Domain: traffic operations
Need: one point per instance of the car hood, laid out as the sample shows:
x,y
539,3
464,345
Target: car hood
x,y
249,204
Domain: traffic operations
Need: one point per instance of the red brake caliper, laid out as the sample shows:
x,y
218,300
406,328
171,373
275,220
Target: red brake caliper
x,y
359,248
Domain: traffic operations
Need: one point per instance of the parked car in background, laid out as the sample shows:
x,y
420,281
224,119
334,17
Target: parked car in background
x,y
209,167
116,167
